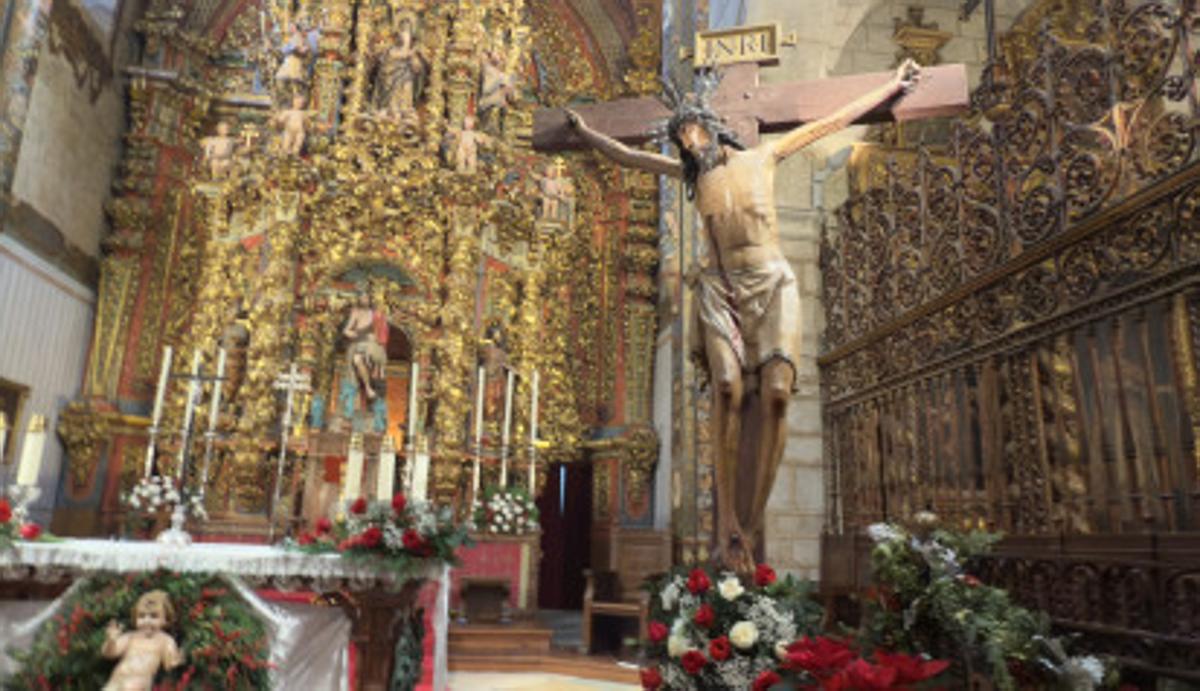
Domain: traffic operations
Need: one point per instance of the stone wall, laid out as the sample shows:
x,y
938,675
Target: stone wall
x,y
834,37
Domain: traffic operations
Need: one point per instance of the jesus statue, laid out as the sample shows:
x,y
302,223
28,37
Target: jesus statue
x,y
748,303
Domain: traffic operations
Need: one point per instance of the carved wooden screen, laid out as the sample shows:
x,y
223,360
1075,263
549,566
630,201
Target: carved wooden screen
x,y
1013,323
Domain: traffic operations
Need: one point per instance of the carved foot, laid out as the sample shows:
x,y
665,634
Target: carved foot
x,y
738,554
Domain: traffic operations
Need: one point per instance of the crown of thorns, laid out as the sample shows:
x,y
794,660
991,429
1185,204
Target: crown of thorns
x,y
695,107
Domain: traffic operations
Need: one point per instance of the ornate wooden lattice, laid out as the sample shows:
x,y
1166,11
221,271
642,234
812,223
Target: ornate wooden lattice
x,y
1012,327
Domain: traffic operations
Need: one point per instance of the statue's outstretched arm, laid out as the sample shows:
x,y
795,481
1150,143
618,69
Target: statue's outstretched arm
x,y
621,154
906,76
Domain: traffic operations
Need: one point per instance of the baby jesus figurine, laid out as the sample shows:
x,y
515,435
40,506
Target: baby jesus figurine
x,y
143,651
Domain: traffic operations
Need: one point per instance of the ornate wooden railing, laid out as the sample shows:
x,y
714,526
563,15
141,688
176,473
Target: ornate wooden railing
x,y
1013,325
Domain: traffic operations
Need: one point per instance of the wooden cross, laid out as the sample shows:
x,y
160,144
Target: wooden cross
x,y
292,382
989,22
751,109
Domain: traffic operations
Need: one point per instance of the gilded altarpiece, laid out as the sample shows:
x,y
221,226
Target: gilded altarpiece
x,y
292,164
1012,324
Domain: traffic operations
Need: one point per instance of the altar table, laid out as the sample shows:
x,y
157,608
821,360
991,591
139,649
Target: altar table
x,y
373,598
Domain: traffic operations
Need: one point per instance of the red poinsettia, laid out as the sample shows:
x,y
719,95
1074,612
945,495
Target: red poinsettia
x,y
705,616
651,679
765,681
861,675
698,582
911,669
5,511
324,526
764,575
657,631
719,648
372,537
359,506
819,656
306,538
693,661
31,531
398,504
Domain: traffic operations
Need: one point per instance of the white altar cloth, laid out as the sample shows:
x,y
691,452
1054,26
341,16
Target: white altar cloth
x,y
258,565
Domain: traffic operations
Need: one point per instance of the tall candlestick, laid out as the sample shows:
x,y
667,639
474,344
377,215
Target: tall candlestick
x,y
156,416
354,469
421,475
482,380
533,423
412,405
3,435
385,483
31,453
214,408
508,394
189,410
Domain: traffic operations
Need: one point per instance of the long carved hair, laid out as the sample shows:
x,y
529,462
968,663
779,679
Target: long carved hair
x,y
693,108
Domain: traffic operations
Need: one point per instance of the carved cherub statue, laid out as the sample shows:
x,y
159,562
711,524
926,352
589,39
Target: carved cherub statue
x,y
142,651
466,147
294,122
218,151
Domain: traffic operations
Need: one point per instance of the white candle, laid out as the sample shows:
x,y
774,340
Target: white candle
x,y
533,422
479,405
480,384
189,411
163,375
421,477
216,397
508,394
31,453
385,484
352,489
412,404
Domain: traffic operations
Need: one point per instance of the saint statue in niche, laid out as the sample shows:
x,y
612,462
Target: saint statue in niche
x,y
497,88
399,74
366,331
219,150
557,193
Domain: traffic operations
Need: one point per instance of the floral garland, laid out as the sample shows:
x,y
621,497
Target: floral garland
x,y
224,645
14,527
157,493
926,599
403,536
508,511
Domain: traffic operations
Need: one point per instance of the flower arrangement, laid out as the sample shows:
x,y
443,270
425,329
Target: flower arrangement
x,y
402,535
926,598
156,493
712,630
13,526
224,644
508,511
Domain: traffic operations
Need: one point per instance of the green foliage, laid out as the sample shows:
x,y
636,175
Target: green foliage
x,y
224,645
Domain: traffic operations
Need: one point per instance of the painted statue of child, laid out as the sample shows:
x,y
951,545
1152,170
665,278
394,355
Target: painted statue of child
x,y
144,650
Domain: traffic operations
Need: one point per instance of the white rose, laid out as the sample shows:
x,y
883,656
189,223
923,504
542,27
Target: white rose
x,y
677,645
743,635
731,588
781,651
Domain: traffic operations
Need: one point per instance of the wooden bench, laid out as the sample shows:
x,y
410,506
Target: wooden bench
x,y
640,555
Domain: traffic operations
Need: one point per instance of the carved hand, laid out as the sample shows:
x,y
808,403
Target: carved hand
x,y
908,74
113,631
574,119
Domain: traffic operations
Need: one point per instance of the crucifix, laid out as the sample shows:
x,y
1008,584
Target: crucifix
x,y
748,303
291,382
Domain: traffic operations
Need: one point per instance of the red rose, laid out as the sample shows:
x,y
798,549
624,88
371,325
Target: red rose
x,y
718,649
765,681
698,582
693,661
763,575
651,679
305,538
372,537
359,506
412,540
324,525
705,616
398,503
658,631
970,580
31,531
5,511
